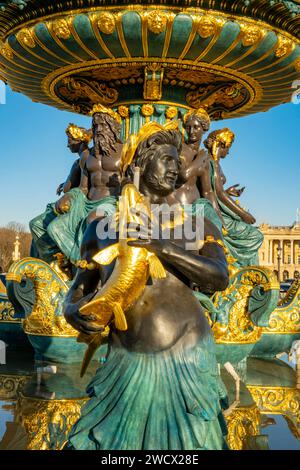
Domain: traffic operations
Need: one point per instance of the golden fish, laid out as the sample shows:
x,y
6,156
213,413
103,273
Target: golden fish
x,y
129,277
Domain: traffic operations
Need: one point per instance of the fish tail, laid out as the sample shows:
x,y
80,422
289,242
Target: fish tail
x,y
93,345
157,271
120,319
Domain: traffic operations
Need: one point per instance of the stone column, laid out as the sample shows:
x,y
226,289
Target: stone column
x,y
292,252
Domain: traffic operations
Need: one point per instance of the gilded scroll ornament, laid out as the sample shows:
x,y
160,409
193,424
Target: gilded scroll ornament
x,y
89,91
284,321
46,318
7,312
251,35
106,23
61,29
25,38
6,51
242,423
284,46
279,400
11,385
48,422
157,21
237,326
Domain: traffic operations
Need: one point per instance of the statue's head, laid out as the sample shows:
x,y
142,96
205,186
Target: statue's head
x,y
196,123
157,156
77,136
218,143
106,127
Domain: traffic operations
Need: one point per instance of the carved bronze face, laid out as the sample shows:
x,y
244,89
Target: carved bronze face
x,y
161,171
97,119
194,130
73,144
223,150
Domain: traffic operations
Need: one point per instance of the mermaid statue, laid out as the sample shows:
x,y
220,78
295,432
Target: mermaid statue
x,y
242,239
60,229
43,246
159,387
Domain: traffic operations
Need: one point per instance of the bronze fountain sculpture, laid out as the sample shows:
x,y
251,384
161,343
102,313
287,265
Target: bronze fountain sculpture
x,y
152,77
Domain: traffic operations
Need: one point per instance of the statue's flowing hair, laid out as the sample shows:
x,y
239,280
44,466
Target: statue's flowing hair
x,y
146,150
105,142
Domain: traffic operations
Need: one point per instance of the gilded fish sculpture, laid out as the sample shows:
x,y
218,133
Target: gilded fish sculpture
x,y
131,272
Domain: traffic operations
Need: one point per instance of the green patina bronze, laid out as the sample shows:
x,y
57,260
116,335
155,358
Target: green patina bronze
x,y
54,233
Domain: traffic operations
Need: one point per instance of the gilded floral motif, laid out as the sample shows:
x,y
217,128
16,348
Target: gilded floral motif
x,y
147,110
123,111
46,318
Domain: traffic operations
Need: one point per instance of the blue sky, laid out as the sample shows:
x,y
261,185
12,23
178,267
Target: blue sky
x,y
34,159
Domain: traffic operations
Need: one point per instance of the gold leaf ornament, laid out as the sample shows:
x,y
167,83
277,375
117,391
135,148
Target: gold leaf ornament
x,y
157,21
123,111
147,110
61,29
6,51
208,26
171,112
106,23
284,47
25,38
250,34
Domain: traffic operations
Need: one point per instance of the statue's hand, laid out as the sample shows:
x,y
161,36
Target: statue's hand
x,y
145,234
63,205
249,219
85,324
235,191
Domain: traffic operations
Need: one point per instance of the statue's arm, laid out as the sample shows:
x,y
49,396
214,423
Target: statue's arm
x,y
73,179
207,191
208,269
84,180
226,199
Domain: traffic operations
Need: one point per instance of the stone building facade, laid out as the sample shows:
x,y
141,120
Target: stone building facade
x,y
280,250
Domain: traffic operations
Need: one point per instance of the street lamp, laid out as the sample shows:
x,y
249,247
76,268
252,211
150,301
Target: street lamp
x,y
279,251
